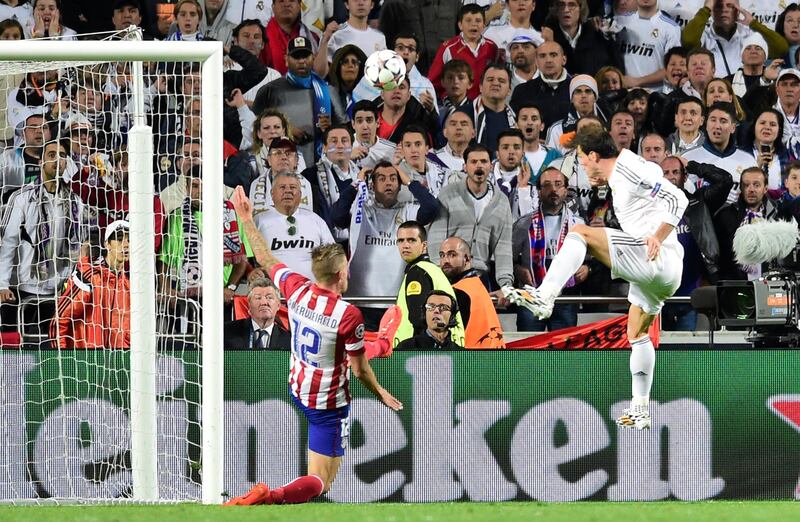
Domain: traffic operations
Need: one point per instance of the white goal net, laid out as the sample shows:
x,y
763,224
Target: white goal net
x,y
110,271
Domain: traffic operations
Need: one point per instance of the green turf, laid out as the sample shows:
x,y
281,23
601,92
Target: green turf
x,y
719,511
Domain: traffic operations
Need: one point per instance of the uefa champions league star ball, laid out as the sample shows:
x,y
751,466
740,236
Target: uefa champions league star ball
x,y
385,70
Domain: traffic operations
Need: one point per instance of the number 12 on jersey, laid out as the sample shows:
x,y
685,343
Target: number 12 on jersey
x,y
305,342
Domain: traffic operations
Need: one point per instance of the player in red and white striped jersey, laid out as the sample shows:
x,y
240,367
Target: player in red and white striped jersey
x,y
327,340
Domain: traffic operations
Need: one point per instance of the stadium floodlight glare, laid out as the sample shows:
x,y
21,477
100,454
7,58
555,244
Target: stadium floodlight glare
x,y
74,62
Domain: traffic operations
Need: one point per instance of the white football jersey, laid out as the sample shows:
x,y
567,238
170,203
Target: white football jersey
x,y
646,42
292,243
681,10
643,199
734,164
368,41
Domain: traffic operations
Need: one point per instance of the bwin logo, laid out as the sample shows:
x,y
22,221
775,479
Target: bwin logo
x,y
302,242
641,50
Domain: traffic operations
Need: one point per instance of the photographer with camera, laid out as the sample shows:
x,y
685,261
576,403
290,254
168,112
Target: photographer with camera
x,y
439,311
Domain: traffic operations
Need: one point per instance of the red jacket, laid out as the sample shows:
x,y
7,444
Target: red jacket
x,y
113,203
457,49
95,309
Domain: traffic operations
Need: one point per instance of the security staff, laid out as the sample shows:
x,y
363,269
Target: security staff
x,y
481,325
421,276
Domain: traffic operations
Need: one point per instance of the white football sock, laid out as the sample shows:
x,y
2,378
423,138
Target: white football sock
x,y
643,360
568,260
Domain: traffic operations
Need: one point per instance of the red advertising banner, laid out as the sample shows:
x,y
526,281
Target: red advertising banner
x,y
607,334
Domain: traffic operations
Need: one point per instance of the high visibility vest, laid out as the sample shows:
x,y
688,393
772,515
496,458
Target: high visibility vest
x,y
440,282
483,329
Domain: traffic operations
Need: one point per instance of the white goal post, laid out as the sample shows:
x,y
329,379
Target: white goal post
x,y
143,415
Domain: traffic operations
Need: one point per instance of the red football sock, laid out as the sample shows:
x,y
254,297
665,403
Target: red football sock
x,y
298,491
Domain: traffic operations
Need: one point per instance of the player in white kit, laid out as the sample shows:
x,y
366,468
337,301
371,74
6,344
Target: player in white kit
x,y
327,340
646,252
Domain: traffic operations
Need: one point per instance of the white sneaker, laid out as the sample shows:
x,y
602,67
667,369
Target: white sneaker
x,y
538,302
635,417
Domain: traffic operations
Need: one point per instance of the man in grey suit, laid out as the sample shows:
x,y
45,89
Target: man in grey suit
x,y
478,212
260,331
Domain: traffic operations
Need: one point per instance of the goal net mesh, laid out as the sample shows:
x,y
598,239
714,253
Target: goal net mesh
x,y
65,424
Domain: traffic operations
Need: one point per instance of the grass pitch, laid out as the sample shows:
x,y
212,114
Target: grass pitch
x,y
715,511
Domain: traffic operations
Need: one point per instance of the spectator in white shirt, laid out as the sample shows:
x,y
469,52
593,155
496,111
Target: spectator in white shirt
x,y
368,147
290,231
459,132
355,31
519,19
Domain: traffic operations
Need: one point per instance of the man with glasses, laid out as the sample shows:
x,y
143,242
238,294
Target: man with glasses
x,y
290,231
439,312
535,239
406,44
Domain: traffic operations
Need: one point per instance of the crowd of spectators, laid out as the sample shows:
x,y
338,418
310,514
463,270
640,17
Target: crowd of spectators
x,y
474,147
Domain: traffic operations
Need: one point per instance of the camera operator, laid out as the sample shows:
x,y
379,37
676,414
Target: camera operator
x,y
440,311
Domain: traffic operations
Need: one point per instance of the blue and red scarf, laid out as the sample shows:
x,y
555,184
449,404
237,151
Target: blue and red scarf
x,y
539,243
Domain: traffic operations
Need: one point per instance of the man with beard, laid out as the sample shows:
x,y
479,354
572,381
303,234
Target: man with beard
x,y
372,212
482,327
94,311
522,57
536,238
474,210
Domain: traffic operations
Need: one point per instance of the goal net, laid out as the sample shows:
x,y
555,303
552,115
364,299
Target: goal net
x,y
111,271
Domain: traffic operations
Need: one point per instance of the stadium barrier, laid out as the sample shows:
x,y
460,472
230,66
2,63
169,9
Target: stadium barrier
x,y
483,426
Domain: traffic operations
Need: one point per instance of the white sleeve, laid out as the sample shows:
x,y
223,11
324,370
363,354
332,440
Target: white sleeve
x,y
246,120
653,185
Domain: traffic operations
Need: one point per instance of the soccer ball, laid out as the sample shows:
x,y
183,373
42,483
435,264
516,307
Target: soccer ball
x,y
385,70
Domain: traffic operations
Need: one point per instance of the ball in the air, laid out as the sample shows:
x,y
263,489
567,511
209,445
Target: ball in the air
x,y
385,70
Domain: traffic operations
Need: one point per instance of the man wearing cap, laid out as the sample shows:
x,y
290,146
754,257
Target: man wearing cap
x,y
583,94
43,227
22,164
754,54
310,104
522,57
725,36
519,23
94,311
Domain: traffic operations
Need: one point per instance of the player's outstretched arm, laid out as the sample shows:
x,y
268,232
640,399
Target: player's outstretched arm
x,y
244,209
363,372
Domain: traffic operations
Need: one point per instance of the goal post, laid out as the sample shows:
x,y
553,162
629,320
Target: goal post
x,y
144,365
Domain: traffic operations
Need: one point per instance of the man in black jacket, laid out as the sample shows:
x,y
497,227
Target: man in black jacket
x,y
550,90
439,314
260,331
696,234
754,204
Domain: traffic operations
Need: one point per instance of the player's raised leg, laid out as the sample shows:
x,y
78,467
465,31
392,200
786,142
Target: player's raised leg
x,y
570,257
642,364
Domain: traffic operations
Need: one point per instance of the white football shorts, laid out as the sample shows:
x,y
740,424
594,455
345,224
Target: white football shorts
x,y
651,282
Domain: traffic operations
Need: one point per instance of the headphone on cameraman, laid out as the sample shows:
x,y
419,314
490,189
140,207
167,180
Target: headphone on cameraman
x,y
421,321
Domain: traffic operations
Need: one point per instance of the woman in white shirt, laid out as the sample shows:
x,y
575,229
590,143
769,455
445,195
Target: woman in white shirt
x,y
47,21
